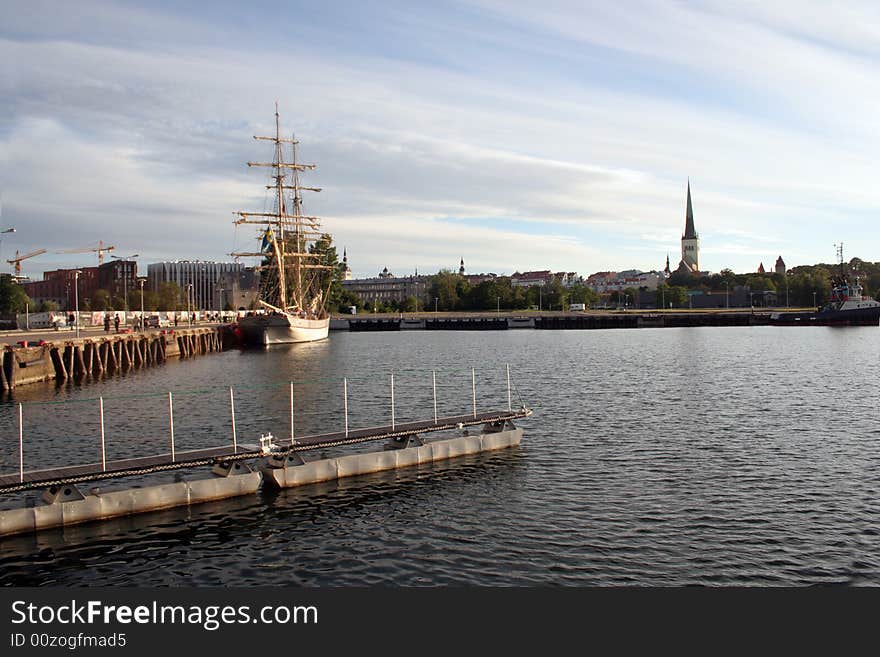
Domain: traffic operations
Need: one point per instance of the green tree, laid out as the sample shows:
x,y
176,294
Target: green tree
x,y
48,307
410,305
347,300
171,296
674,296
446,287
327,281
583,294
13,298
101,300
151,300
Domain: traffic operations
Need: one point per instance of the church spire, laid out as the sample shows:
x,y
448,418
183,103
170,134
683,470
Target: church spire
x,y
667,270
690,232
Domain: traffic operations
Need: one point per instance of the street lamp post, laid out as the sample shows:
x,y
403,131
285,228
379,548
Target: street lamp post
x,y
76,297
4,232
125,276
189,305
814,298
726,294
436,299
498,305
141,282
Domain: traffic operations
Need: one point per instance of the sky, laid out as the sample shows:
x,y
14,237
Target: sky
x,y
515,135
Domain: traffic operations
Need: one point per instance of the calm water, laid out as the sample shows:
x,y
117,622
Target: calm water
x,y
654,457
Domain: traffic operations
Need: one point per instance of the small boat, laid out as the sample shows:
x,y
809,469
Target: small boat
x,y
847,306
296,273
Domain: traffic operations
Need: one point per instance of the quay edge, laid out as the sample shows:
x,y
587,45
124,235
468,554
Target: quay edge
x,y
63,357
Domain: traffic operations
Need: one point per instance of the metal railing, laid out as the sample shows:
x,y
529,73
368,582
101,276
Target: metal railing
x,y
292,416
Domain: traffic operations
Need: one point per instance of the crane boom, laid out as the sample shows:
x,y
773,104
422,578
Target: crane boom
x,y
100,249
18,258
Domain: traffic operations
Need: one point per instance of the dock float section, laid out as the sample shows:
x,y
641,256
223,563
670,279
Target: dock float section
x,y
244,469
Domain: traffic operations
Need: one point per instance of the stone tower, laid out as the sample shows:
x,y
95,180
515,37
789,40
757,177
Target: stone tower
x,y
780,265
461,268
690,241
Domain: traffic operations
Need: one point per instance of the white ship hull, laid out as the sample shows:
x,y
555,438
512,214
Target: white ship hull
x,y
282,329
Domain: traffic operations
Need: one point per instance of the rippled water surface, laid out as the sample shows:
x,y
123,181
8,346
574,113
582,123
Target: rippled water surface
x,y
654,457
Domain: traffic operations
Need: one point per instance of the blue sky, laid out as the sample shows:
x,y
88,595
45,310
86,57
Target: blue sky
x,y
517,135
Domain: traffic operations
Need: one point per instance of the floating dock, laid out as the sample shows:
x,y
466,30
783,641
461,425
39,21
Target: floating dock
x,y
237,469
232,473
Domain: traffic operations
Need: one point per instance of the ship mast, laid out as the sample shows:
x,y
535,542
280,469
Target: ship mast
x,y
303,227
279,191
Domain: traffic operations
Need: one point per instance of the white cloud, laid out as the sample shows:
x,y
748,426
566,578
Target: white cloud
x,y
544,160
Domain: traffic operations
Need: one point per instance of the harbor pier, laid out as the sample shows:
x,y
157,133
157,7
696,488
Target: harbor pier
x,y
63,357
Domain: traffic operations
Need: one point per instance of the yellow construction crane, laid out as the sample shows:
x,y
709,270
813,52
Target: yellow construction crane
x,y
16,261
99,249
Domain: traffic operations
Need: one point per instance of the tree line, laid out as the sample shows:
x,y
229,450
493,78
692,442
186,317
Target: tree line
x,y
449,291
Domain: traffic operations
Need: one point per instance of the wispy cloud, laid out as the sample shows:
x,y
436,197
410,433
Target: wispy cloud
x,y
515,135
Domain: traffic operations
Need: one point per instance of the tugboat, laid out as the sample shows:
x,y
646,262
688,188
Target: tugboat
x,y
847,306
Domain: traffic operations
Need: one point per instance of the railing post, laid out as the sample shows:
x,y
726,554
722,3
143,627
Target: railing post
x,y
345,402
103,452
232,414
509,405
291,413
474,389
392,401
434,382
171,423
20,446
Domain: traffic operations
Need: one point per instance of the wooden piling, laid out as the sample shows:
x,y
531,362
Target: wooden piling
x,y
96,347
80,361
58,361
111,348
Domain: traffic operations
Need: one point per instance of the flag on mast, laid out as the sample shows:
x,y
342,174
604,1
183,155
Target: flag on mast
x,y
268,239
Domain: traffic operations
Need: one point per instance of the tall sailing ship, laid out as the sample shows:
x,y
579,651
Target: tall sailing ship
x,y
294,284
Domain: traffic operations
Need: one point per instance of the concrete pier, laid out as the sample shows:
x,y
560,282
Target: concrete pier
x,y
61,357
547,320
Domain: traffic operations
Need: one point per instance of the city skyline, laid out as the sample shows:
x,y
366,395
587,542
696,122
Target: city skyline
x,y
514,137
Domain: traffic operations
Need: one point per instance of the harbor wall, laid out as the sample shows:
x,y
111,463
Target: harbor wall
x,y
546,321
62,357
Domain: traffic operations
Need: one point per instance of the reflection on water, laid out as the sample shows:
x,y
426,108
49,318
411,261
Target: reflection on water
x,y
655,456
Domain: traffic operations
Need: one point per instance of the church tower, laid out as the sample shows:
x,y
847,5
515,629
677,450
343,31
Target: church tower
x,y
346,270
690,241
461,268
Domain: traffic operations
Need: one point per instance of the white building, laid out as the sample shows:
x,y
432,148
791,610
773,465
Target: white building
x,y
203,276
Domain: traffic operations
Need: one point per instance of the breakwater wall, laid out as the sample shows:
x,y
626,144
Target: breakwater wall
x,y
63,358
547,321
